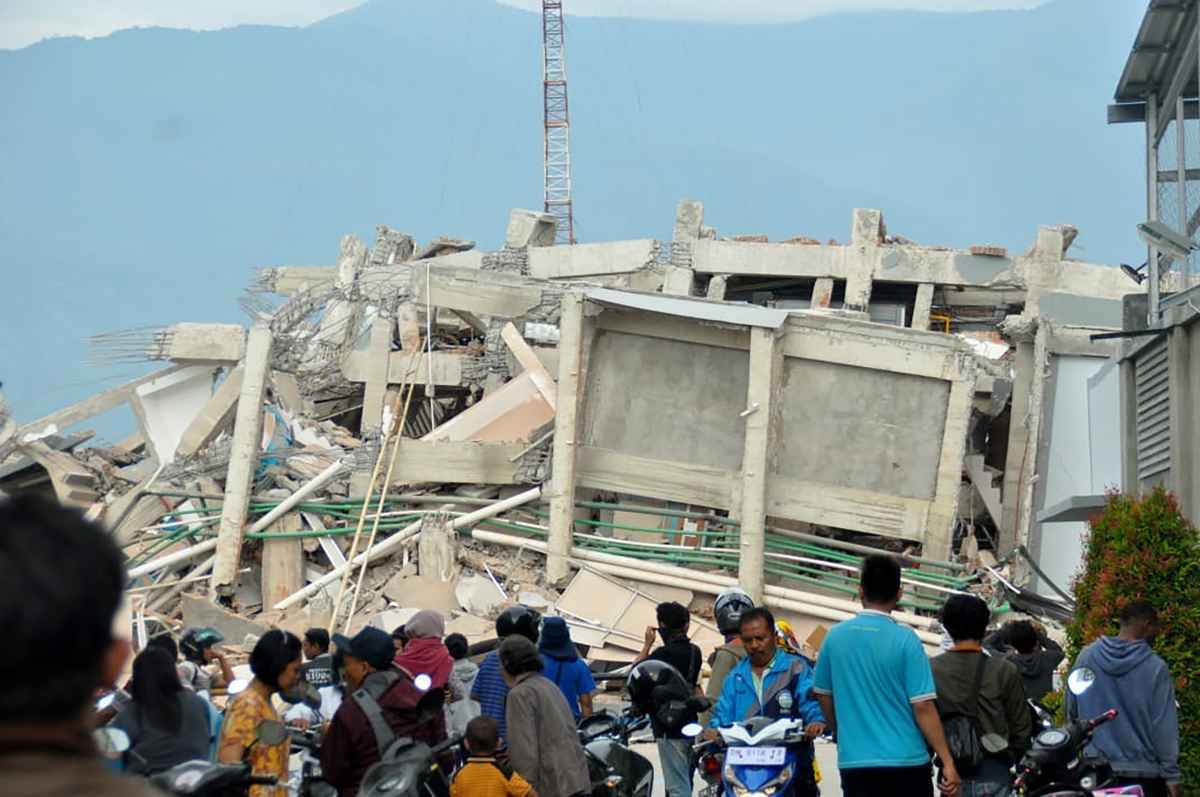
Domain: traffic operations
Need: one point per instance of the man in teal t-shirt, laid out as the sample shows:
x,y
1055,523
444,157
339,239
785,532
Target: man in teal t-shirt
x,y
876,690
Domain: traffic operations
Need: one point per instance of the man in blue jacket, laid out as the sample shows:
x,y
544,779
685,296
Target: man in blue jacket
x,y
771,683
1142,743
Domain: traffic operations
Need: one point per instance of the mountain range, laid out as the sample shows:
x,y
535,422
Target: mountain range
x,y
146,174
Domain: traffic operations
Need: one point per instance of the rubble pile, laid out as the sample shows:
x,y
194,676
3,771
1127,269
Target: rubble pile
x,y
439,427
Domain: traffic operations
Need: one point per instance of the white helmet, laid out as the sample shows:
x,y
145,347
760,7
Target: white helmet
x,y
729,607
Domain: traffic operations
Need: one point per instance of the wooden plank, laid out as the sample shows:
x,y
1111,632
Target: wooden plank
x,y
282,562
602,469
457,462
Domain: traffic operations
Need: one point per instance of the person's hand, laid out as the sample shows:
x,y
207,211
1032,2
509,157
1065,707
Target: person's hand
x,y
814,730
213,654
651,635
301,723
710,735
949,783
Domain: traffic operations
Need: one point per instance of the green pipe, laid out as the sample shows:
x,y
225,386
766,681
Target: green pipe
x,y
812,538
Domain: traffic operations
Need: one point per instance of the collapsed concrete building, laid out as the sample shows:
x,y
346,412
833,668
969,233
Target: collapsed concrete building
x,y
665,418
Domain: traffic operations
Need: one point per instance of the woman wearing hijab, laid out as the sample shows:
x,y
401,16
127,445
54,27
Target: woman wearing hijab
x,y
425,653
563,666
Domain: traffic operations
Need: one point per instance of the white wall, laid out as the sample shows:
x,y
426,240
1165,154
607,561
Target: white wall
x,y
1068,468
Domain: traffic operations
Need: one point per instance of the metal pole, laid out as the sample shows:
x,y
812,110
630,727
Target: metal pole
x,y
1152,200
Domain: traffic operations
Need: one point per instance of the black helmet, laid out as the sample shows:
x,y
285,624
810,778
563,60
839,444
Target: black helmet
x,y
651,681
728,609
518,620
195,640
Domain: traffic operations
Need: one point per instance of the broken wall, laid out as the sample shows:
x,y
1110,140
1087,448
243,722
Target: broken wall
x,y
868,428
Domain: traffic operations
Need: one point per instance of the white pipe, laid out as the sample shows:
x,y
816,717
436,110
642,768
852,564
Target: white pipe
x,y
175,558
400,537
319,481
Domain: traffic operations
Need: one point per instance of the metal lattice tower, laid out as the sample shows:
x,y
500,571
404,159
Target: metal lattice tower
x,y
557,163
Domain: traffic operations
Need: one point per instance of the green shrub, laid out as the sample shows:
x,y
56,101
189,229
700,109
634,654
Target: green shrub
x,y
1145,549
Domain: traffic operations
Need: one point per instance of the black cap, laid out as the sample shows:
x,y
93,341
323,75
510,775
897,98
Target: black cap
x,y
371,645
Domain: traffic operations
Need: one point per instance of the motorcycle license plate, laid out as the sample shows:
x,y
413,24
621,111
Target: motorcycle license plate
x,y
755,756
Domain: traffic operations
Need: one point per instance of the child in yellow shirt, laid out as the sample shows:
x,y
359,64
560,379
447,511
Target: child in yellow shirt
x,y
484,776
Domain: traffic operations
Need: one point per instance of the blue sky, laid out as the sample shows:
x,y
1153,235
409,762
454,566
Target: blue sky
x,y
23,22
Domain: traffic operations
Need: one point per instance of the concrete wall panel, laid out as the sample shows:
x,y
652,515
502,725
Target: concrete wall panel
x,y
666,399
874,430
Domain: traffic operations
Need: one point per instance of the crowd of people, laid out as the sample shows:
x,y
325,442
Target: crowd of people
x,y
894,712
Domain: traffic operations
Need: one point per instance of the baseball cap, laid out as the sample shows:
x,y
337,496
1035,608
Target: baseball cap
x,y
372,645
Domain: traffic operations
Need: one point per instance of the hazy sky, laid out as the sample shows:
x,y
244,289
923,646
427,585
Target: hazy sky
x,y
23,22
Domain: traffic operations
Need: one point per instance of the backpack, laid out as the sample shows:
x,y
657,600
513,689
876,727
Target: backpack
x,y
397,755
962,729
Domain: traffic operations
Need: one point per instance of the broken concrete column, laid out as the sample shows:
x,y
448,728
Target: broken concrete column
x,y
679,281
243,459
689,219
437,548
74,484
215,416
763,408
923,307
1051,243
205,342
340,322
868,228
529,228
282,561
562,499
716,287
378,364
822,295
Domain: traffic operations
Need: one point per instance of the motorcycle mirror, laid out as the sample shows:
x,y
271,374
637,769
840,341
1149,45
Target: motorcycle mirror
x,y
236,686
1081,680
423,682
692,730
271,733
111,742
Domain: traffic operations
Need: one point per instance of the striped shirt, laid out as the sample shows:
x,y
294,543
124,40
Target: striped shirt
x,y
491,691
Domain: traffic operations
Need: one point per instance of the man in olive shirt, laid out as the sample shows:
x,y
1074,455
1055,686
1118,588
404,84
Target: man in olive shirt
x,y
1002,717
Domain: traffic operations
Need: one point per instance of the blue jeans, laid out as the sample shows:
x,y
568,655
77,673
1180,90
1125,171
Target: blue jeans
x,y
981,788
675,758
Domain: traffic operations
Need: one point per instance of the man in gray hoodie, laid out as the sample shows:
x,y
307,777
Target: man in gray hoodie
x,y
1142,743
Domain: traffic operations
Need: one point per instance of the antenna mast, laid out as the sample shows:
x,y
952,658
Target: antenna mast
x,y
557,161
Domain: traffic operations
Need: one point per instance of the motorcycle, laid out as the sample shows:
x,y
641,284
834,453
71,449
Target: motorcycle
x,y
1056,765
308,781
615,770
206,779
761,754
411,769
708,759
